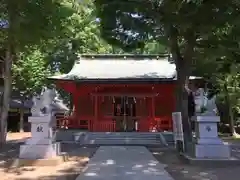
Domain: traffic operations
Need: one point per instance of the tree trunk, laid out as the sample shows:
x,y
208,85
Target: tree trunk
x,y
183,65
21,122
6,94
181,96
230,113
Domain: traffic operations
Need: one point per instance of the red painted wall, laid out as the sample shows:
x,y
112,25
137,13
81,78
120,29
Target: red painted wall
x,y
84,101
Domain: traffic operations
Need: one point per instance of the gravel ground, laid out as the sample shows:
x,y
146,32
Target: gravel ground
x,y
79,157
182,171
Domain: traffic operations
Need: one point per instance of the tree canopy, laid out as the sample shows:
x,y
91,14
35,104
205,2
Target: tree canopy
x,y
30,73
28,23
45,37
187,27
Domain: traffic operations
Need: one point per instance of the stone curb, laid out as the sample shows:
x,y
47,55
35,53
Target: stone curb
x,y
209,162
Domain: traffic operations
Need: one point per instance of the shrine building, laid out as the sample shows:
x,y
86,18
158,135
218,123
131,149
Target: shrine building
x,y
114,93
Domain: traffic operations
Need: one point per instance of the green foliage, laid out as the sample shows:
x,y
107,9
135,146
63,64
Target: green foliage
x,y
82,35
30,22
209,28
31,25
154,47
29,73
130,24
220,65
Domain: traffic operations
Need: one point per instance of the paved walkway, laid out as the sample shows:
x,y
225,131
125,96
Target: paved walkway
x,y
124,163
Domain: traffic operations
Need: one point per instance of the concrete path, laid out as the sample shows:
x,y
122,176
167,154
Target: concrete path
x,y
124,163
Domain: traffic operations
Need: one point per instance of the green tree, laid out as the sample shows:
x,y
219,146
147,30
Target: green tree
x,y
28,23
177,24
30,73
29,76
219,54
82,36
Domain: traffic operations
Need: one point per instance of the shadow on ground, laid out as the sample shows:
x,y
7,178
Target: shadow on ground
x,y
78,158
180,170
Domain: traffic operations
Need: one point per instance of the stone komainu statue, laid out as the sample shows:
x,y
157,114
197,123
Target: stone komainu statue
x,y
42,104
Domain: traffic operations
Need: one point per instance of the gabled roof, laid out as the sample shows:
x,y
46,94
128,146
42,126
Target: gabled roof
x,y
113,67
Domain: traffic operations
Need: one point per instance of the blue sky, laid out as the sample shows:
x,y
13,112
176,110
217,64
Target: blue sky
x,y
3,24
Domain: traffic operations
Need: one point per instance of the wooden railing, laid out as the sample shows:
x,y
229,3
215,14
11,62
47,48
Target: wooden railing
x,y
158,124
103,126
145,124
71,122
163,123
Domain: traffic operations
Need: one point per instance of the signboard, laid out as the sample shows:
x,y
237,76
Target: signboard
x,y
178,131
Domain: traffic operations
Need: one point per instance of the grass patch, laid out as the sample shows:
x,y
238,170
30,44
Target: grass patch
x,y
226,137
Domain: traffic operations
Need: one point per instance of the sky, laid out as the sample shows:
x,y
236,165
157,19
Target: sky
x,y
3,24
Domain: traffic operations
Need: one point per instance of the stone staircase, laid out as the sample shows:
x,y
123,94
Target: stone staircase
x,y
67,135
121,138
158,139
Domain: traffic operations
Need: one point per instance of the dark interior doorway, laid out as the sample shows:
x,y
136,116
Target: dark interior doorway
x,y
125,113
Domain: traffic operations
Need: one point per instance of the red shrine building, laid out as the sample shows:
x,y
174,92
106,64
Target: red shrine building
x,y
114,93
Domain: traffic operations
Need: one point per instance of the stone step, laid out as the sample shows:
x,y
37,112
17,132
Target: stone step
x,y
122,136
123,142
129,139
133,135
123,139
168,136
155,136
105,138
139,136
146,140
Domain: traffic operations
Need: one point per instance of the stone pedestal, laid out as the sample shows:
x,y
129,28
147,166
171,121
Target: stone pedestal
x,y
42,144
208,144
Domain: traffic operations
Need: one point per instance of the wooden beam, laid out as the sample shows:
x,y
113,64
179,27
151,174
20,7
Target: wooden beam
x,y
126,94
153,108
75,102
96,109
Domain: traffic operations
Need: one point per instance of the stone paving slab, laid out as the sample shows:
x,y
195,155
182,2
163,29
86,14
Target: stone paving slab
x,y
124,162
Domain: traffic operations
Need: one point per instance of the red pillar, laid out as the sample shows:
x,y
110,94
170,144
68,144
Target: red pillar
x,y
95,121
76,110
150,115
153,110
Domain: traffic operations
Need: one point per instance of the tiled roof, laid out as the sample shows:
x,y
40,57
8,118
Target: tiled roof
x,y
120,67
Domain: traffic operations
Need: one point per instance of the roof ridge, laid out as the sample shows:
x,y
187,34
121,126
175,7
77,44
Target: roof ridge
x,y
137,57
124,55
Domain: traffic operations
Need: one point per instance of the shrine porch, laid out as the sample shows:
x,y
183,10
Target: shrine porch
x,y
109,125
122,107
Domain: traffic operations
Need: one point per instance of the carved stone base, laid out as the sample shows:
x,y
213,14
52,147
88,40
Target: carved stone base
x,y
217,151
39,151
40,162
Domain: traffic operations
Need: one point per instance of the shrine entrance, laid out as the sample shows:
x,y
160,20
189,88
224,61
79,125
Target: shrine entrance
x,y
125,113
